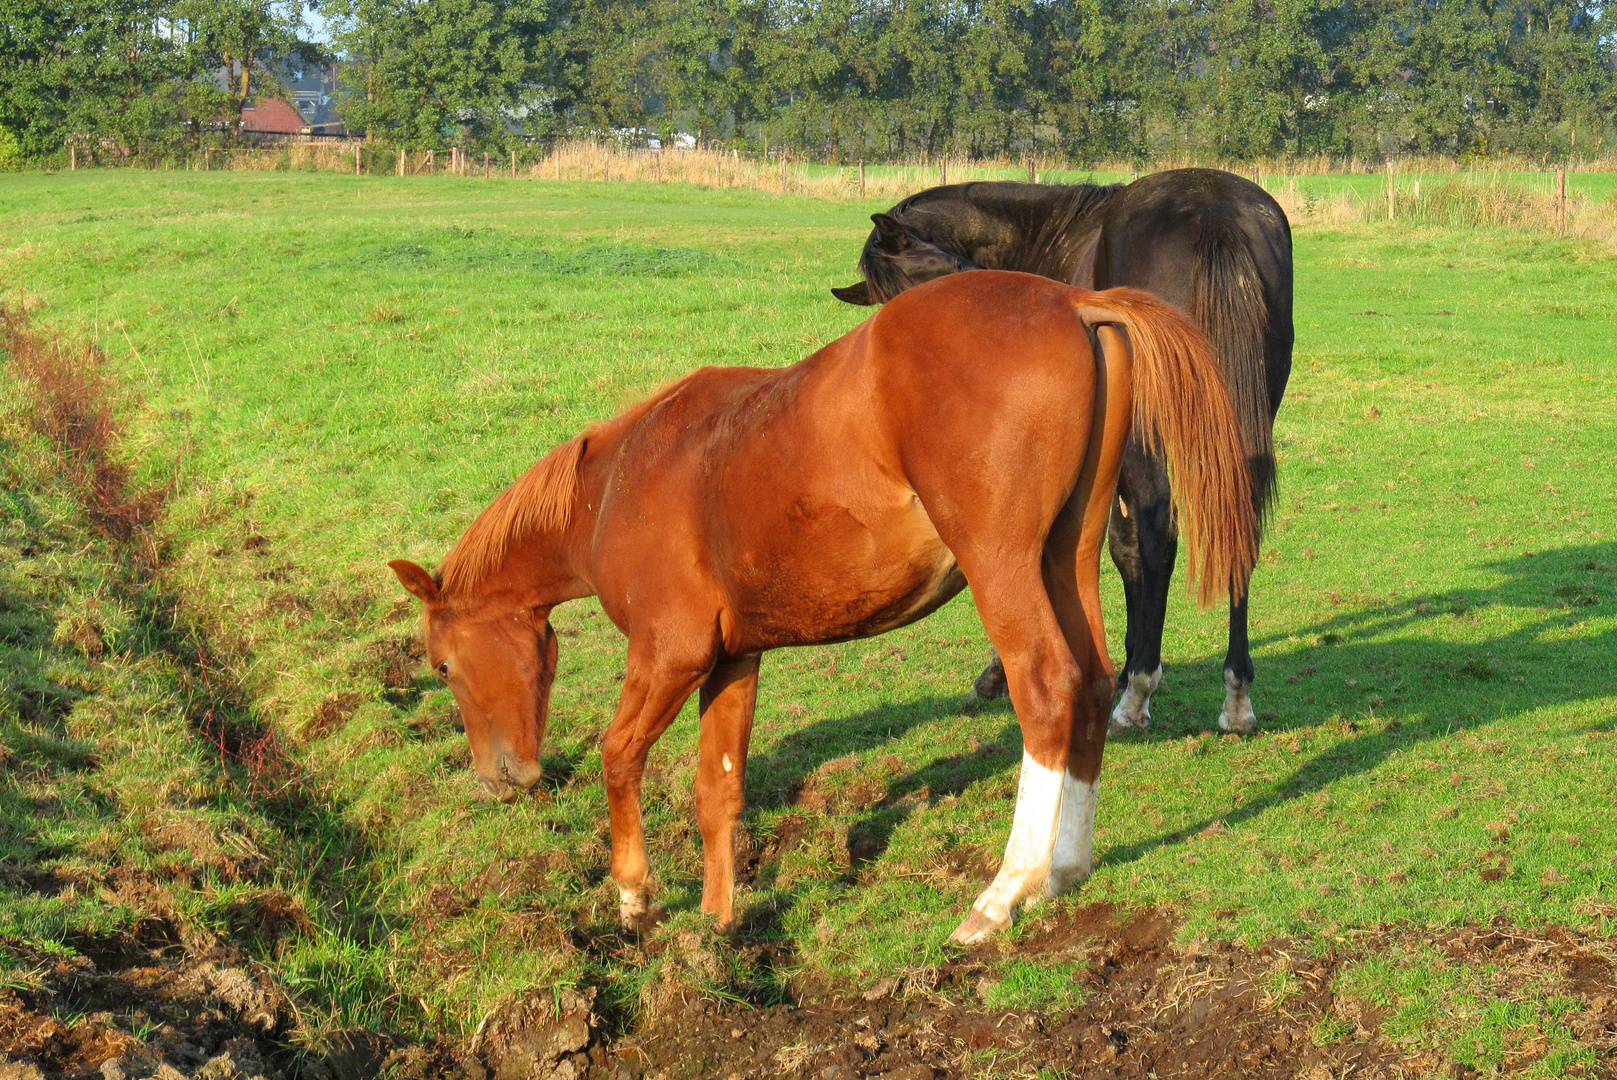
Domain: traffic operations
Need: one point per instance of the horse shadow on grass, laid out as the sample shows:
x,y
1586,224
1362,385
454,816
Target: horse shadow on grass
x,y
1396,669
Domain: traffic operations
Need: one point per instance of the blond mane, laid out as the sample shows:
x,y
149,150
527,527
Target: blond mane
x,y
541,500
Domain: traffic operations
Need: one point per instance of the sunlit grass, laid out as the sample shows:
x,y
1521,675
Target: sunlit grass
x,y
344,371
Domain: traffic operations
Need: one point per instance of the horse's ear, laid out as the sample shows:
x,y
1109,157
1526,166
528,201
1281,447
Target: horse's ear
x,y
858,293
417,581
890,235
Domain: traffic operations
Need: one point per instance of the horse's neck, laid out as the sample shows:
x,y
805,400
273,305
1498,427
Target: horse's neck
x,y
1044,231
549,567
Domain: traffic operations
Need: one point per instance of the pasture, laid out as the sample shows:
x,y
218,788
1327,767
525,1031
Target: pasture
x,y
335,371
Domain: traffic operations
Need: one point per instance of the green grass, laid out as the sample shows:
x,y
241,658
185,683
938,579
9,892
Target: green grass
x,y
341,371
1480,1015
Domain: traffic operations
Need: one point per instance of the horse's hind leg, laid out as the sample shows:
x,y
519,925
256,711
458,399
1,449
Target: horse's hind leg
x,y
1144,546
1043,616
1045,685
1237,714
728,698
1072,579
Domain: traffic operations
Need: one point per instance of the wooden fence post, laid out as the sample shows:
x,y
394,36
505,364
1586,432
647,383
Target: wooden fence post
x,y
72,157
943,172
1392,196
1032,173
486,172
783,170
356,159
1255,177
1560,201
861,178
513,164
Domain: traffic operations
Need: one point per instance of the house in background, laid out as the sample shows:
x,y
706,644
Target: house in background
x,y
304,102
271,116
313,92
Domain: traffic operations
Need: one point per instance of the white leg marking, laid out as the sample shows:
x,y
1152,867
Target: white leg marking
x,y
727,765
1075,835
1237,714
1026,869
1133,709
631,906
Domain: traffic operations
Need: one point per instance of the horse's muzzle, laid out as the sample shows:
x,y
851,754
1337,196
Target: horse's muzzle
x,y
516,779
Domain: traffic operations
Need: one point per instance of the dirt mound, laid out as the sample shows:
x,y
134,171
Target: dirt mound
x,y
137,1015
1154,1008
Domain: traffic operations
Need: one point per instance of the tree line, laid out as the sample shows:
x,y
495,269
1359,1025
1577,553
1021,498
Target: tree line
x,y
1084,80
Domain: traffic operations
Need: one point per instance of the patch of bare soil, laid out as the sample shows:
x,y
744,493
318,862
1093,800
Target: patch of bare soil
x,y
1156,1009
133,1011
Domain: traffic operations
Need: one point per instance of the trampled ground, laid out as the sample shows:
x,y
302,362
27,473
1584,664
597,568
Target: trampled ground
x,y
1410,869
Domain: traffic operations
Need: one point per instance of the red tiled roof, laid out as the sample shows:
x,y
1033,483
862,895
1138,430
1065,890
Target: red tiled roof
x,y
272,115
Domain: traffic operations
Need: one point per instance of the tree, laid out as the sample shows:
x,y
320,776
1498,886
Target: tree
x,y
439,71
85,68
234,50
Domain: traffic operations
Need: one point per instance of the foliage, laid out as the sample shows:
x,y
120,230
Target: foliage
x,y
440,71
138,75
846,79
10,150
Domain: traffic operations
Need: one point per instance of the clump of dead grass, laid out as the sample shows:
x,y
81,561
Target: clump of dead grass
x,y
73,404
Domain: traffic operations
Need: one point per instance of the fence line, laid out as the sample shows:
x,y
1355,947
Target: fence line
x,y
1453,193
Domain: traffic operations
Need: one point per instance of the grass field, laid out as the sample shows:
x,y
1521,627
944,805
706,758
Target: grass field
x,y
334,372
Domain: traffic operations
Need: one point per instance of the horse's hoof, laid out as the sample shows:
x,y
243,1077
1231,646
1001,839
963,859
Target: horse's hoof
x,y
1237,715
1133,707
977,926
991,683
1241,725
638,917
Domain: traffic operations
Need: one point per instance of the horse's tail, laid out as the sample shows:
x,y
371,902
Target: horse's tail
x,y
1182,412
1227,302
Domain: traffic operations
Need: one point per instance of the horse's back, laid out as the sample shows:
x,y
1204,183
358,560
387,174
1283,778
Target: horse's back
x,y
807,500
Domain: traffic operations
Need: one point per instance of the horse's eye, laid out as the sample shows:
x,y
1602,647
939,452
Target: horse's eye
x,y
443,670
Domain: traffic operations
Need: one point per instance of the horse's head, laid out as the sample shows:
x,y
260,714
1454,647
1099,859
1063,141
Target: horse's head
x,y
499,664
896,259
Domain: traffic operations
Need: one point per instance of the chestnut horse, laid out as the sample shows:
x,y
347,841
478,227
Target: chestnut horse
x,y
969,433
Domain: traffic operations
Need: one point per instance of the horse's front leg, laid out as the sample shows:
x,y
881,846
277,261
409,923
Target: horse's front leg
x,y
653,692
728,698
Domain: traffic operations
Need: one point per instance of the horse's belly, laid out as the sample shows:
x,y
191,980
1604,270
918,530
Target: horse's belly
x,y
842,573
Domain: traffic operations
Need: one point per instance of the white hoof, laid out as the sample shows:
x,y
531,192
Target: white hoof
x,y
1237,715
632,907
978,926
1133,709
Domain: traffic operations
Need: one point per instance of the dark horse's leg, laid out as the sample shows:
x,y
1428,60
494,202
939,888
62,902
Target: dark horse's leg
x,y
1144,544
1219,248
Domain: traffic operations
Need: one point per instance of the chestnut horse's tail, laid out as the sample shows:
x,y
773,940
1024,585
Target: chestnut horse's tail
x,y
1182,412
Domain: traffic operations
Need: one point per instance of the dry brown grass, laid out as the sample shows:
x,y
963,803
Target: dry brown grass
x,y
72,403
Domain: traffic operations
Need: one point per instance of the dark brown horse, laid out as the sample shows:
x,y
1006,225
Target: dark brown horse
x,y
1209,242
741,510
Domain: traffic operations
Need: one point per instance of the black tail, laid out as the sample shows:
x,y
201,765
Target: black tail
x,y
1228,304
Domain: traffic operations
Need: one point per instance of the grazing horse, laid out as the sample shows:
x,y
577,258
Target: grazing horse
x,y
1209,242
741,509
